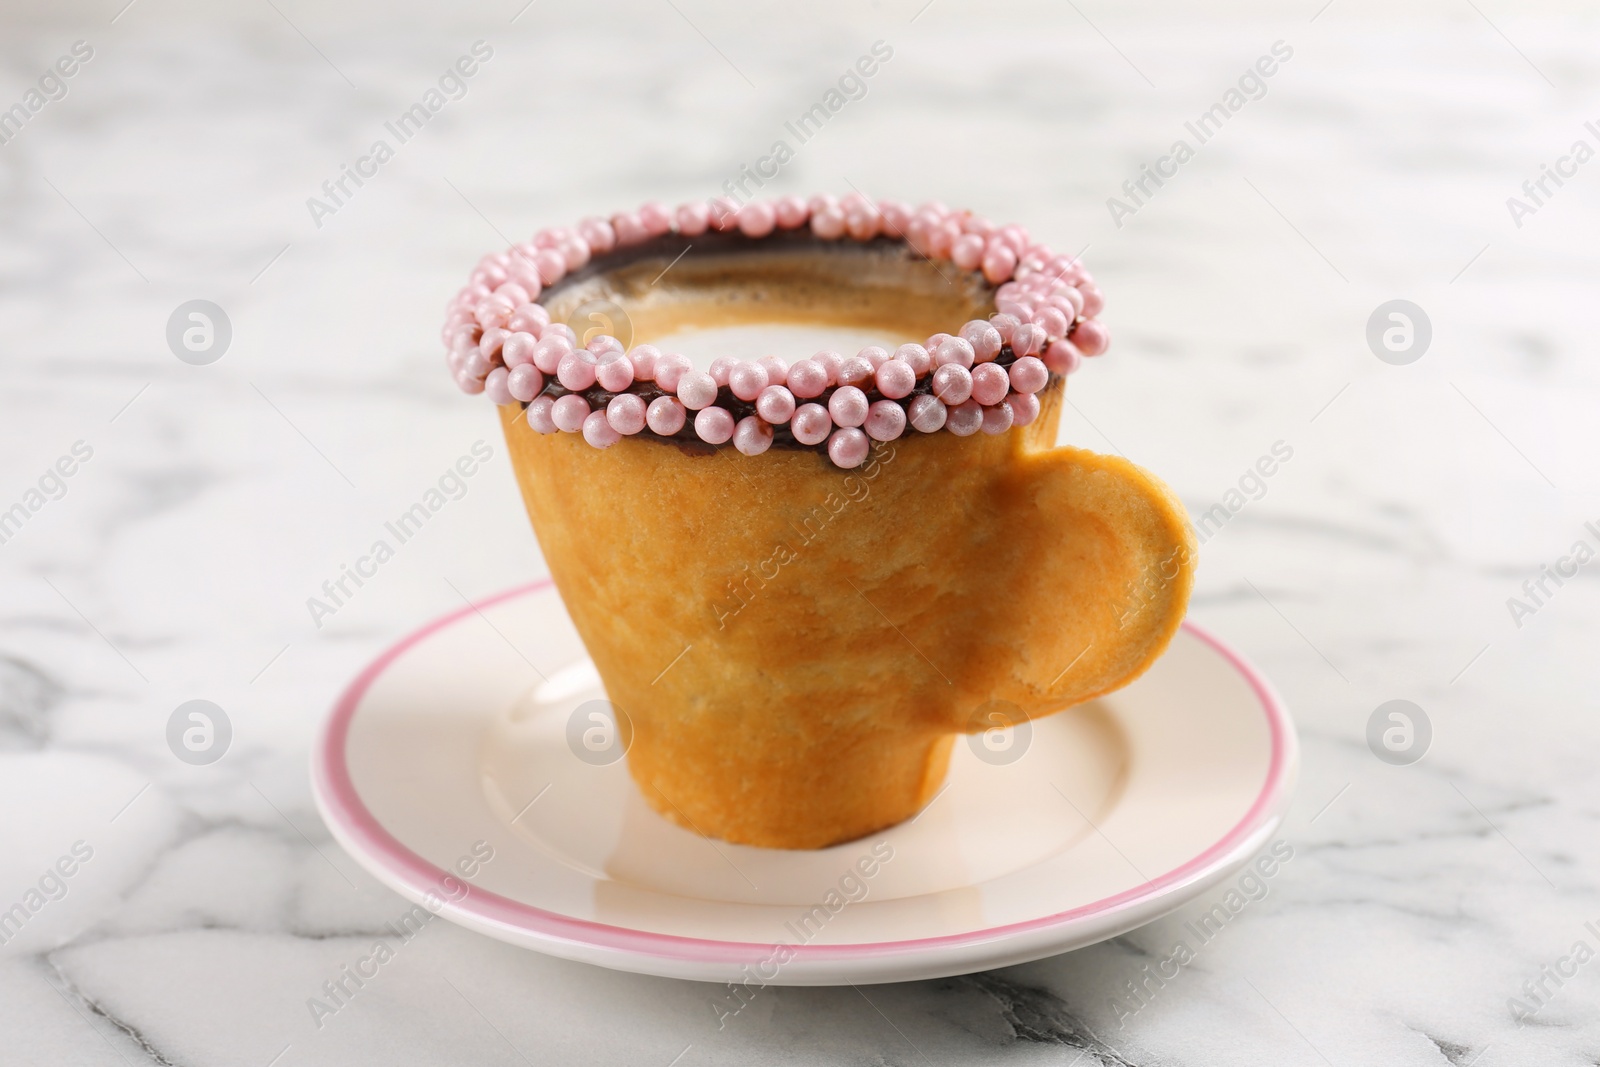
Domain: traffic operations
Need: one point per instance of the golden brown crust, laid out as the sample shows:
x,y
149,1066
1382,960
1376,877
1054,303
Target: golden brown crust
x,y
842,626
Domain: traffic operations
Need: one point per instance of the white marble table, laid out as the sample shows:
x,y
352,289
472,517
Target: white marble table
x,y
1376,564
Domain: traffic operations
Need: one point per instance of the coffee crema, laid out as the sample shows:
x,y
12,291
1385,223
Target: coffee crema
x,y
648,276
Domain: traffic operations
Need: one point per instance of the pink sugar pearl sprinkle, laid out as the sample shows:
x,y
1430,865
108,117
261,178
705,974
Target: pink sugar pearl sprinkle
x,y
807,379
1029,374
952,384
916,357
863,222
775,404
576,370
492,340
874,355
752,436
998,263
697,390
855,371
629,230
954,350
965,419
848,448
525,382
522,270
656,218
670,370
666,416
828,224
614,372
576,251
720,368
714,425
747,380
540,416
1062,357
495,387
550,264
777,369
996,419
791,212
518,349
1094,301
1075,301
848,406
1052,320
831,362
599,234
644,358
693,219
549,352
1027,339
569,413
476,364
626,413
529,318
811,424
598,431
1024,408
966,251
926,414
492,312
896,214
886,420
896,379
1091,337
757,219
984,339
990,383
724,214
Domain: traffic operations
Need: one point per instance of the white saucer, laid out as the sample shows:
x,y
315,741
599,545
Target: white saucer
x,y
446,770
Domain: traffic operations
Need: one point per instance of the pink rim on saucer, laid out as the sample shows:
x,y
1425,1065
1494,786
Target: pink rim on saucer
x,y
355,827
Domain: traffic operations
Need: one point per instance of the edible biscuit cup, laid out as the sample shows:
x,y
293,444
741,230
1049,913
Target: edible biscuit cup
x,y
797,645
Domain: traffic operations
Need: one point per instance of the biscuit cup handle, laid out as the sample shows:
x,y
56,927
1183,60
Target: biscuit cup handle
x,y
1099,591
